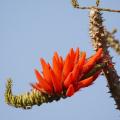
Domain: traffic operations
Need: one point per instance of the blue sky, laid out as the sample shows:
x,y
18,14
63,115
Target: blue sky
x,y
31,29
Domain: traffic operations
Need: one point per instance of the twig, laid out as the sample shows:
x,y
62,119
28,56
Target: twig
x,y
112,41
75,4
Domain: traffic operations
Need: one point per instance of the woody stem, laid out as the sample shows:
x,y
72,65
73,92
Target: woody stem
x,y
98,37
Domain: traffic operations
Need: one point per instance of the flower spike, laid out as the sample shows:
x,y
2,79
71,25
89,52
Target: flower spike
x,y
63,79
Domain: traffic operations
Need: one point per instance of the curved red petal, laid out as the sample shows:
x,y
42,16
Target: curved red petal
x,y
46,71
57,67
70,91
72,56
77,53
81,61
47,87
68,80
88,81
67,68
61,62
38,75
56,56
36,86
75,73
98,54
78,68
91,62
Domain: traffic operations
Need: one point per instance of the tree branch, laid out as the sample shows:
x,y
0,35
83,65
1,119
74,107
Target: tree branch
x,y
98,37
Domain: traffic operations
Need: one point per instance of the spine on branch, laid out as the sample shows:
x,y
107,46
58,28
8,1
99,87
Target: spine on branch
x,y
97,34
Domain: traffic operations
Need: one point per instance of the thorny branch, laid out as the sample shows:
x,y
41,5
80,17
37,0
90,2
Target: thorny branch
x,y
101,38
97,34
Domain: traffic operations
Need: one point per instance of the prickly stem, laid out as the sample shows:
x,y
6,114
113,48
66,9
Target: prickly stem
x,y
97,34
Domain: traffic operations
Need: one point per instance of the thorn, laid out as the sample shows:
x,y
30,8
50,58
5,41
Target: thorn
x,y
114,31
109,92
101,14
118,108
102,74
113,63
111,57
103,20
97,2
27,107
115,104
111,96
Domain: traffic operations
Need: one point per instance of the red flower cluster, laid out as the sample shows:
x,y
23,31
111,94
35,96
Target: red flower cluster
x,y
66,74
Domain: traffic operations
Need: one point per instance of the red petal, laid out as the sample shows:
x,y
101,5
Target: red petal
x,y
38,75
57,67
88,81
36,86
91,62
72,55
77,55
70,91
71,59
56,83
46,71
61,62
78,68
82,59
98,54
33,85
46,86
67,67
68,80
56,56
75,73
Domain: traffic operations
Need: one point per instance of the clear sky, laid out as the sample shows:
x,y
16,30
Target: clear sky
x,y
31,29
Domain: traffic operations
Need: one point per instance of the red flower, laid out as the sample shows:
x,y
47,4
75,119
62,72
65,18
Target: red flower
x,y
68,74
